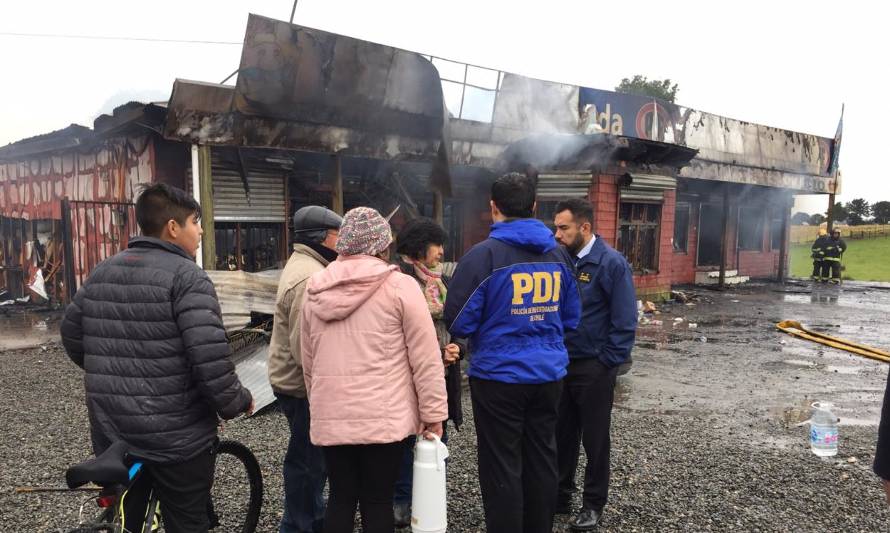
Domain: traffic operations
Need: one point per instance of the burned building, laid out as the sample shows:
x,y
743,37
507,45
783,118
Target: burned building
x,y
320,118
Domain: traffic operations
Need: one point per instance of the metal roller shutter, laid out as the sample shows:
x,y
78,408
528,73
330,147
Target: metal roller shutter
x,y
557,186
647,188
231,203
265,203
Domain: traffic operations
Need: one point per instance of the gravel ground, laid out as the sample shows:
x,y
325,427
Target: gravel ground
x,y
671,471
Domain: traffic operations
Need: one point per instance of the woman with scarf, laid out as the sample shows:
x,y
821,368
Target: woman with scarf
x,y
373,372
420,246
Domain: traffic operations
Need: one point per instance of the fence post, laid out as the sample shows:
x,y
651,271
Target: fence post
x,y
68,252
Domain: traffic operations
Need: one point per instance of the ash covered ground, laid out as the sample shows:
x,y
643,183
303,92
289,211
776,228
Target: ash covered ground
x,y
705,434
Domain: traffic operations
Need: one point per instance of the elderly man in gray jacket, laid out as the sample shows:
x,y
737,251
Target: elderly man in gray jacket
x,y
316,231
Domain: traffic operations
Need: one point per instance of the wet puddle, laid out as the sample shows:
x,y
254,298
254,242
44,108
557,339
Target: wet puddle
x,y
28,329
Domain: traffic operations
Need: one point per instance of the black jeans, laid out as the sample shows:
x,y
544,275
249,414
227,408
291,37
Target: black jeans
x,y
304,472
516,440
183,491
364,474
585,414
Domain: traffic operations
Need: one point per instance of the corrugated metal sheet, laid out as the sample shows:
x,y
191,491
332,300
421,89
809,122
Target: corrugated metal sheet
x,y
111,171
555,186
242,293
252,370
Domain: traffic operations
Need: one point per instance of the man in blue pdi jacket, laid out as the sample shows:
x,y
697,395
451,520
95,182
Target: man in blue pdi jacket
x,y
600,344
514,295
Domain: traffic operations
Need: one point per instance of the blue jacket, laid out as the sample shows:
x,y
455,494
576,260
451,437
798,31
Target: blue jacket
x,y
514,295
608,307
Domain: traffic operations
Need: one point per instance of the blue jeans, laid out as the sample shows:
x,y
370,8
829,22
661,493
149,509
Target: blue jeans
x,y
304,472
405,483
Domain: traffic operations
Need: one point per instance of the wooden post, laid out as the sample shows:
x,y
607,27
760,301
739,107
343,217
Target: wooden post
x,y
783,246
337,190
68,252
438,207
724,237
205,179
829,219
196,194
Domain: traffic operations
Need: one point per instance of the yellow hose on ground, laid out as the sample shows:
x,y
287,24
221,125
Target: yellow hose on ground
x,y
793,327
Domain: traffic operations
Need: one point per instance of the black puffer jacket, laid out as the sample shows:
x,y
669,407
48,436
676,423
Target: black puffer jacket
x,y
882,454
146,328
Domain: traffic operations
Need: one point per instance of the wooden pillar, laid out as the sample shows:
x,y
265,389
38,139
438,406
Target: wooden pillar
x,y
724,237
829,219
205,179
337,186
68,252
438,207
783,246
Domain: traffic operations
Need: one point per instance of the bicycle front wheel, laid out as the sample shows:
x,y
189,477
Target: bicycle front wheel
x,y
237,494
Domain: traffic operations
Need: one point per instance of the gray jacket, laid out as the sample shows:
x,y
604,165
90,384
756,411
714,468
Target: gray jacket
x,y
147,330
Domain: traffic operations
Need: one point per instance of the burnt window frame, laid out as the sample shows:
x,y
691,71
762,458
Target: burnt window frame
x,y
677,208
760,217
640,225
465,83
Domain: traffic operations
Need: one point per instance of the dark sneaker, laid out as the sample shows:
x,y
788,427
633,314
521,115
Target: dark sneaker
x,y
586,520
401,513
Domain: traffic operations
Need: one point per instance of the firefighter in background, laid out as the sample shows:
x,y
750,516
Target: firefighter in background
x,y
819,254
831,261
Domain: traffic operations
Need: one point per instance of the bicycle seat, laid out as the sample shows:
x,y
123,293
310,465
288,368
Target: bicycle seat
x,y
105,470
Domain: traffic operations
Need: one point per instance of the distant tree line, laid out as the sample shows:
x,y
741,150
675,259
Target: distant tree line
x,y
855,213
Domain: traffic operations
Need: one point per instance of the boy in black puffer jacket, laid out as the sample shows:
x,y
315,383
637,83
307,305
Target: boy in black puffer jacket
x,y
147,330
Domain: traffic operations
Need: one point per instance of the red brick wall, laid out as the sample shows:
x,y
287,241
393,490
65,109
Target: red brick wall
x,y
758,264
604,197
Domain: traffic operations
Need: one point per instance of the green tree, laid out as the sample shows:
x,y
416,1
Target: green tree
x,y
816,219
857,211
642,86
838,213
881,212
800,218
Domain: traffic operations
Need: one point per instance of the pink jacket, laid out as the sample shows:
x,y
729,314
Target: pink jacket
x,y
371,360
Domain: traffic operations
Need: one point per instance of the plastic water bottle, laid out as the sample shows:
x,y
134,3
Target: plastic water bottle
x,y
428,496
823,430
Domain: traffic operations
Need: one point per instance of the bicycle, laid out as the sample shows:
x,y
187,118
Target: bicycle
x,y
113,472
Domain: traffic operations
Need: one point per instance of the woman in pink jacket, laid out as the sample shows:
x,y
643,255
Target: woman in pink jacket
x,y
373,371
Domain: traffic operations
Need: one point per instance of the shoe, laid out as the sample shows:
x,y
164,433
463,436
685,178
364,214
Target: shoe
x,y
586,520
401,513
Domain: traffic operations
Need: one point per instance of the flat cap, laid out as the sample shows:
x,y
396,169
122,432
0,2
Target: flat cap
x,y
315,218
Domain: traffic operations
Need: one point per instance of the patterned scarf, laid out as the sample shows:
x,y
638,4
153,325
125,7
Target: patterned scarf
x,y
434,288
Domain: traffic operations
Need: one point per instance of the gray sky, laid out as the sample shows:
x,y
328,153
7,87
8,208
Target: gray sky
x,y
788,64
